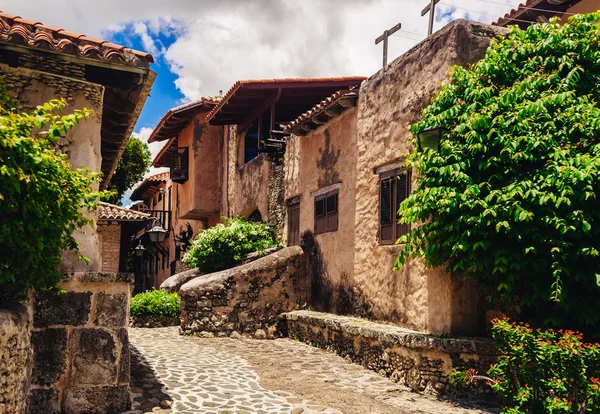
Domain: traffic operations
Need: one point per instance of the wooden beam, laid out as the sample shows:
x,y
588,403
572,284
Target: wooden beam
x,y
256,112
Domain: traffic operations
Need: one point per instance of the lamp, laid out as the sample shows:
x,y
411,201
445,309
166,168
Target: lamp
x,y
139,249
157,234
431,138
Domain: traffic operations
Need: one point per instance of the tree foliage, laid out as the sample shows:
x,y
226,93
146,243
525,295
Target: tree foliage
x,y
222,246
511,198
134,163
42,200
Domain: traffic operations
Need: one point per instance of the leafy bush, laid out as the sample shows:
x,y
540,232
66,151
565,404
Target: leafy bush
x,y
222,246
511,198
542,371
155,303
42,200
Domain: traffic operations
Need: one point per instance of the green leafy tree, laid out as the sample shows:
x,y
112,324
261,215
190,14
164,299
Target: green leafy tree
x,y
224,245
134,163
511,198
42,200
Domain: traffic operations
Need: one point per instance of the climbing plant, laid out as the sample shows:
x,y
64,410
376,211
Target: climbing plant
x,y
511,197
42,200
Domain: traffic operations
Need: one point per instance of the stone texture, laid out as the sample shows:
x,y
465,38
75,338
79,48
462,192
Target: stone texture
x,y
49,356
125,360
419,361
96,400
174,283
153,321
111,309
43,401
70,308
247,297
110,246
15,330
94,357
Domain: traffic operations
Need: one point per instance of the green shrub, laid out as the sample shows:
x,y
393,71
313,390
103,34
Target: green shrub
x,y
42,200
224,245
512,198
542,371
155,303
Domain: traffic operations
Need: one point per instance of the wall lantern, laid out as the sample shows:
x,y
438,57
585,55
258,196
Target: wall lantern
x,y
139,249
431,138
157,234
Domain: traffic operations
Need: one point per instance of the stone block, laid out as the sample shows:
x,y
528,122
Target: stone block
x,y
94,357
124,365
71,308
111,309
43,401
96,400
49,355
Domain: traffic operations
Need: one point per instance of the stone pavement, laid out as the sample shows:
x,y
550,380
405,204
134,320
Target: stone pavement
x,y
224,375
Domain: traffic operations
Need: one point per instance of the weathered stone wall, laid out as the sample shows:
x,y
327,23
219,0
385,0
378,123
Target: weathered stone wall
x,y
80,346
422,362
15,333
326,157
29,88
110,246
246,299
389,102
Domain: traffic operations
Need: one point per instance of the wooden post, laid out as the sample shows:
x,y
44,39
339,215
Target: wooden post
x,y
430,8
384,38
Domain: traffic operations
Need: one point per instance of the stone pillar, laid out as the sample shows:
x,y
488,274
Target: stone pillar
x,y
80,346
110,246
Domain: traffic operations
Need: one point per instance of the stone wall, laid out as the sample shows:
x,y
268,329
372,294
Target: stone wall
x,y
80,346
422,362
15,332
110,246
246,299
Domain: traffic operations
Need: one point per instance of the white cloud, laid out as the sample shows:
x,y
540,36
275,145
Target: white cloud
x,y
221,41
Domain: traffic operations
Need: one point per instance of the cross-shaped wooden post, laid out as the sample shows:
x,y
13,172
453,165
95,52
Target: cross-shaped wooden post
x,y
384,38
430,8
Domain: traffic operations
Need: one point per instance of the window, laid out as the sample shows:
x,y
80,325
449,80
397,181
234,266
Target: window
x,y
326,212
179,165
394,187
293,238
251,144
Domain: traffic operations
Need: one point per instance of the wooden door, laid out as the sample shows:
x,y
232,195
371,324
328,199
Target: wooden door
x,y
293,225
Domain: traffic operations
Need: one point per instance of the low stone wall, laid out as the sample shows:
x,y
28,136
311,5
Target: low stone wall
x,y
420,361
246,299
153,321
80,346
15,332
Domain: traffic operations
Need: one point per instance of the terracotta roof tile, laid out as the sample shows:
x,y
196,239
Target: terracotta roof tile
x,y
536,8
107,211
148,182
35,34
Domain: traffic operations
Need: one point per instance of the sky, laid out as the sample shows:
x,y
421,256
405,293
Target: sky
x,y
202,47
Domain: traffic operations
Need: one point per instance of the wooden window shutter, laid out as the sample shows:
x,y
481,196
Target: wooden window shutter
x,y
402,193
293,225
326,212
386,214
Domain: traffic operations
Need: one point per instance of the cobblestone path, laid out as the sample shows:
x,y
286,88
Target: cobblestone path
x,y
223,375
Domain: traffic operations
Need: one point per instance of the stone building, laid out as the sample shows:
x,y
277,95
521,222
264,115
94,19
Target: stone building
x,y
77,342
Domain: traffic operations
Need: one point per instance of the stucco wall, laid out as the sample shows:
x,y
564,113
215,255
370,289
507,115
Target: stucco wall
x,y
30,88
584,6
110,246
325,157
390,101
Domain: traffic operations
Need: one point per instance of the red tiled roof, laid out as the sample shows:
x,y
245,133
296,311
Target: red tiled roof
x,y
329,84
170,125
14,29
320,107
534,11
139,193
107,211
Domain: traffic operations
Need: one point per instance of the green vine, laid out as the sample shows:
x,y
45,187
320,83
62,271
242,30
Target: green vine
x,y
511,197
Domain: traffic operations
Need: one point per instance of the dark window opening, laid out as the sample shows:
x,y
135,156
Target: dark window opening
x,y
394,188
251,144
326,212
179,165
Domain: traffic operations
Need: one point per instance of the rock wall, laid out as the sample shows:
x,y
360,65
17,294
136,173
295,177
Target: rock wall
x,y
80,346
15,333
246,299
389,102
110,246
422,362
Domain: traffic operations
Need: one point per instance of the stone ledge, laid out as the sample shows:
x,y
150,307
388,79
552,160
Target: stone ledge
x,y
99,277
420,361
